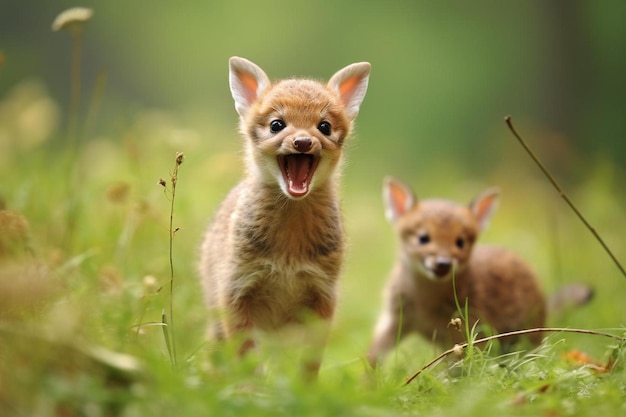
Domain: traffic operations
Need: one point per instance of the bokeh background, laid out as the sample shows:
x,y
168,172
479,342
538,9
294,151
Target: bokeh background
x,y
444,75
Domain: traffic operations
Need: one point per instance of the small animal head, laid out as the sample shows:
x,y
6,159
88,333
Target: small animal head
x,y
436,235
295,128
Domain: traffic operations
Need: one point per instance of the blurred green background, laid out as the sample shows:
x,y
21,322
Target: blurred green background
x,y
444,75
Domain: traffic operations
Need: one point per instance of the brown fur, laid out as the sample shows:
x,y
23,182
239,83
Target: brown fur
x,y
501,288
273,255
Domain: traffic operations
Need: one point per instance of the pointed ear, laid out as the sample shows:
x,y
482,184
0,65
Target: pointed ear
x,y
351,85
398,198
247,82
484,205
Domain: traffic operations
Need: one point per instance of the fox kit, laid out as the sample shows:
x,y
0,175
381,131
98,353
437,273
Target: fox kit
x,y
274,250
436,238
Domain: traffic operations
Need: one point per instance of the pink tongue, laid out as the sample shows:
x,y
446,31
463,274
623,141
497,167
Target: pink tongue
x,y
298,168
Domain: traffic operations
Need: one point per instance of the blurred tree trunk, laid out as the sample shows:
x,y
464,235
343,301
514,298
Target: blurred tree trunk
x,y
565,85
567,64
582,98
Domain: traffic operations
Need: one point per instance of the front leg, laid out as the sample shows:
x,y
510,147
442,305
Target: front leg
x,y
389,331
316,336
238,323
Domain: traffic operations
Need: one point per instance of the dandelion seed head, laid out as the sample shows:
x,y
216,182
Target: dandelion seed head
x,y
70,17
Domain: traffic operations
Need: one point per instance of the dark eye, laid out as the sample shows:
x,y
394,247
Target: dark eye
x,y
460,242
277,125
324,127
423,238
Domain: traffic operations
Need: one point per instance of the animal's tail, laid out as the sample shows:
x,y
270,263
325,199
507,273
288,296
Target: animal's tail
x,y
569,296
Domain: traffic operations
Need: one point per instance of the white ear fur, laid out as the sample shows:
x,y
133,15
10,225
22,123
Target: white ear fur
x,y
351,85
484,205
398,198
247,82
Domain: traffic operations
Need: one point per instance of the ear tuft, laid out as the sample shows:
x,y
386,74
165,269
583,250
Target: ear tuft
x,y
351,85
247,82
398,198
484,205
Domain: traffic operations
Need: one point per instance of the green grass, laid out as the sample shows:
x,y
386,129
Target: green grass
x,y
63,300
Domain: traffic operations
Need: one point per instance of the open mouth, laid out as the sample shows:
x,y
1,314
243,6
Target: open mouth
x,y
298,170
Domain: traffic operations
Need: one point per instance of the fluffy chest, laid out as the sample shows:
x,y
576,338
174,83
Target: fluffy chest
x,y
275,295
426,305
291,236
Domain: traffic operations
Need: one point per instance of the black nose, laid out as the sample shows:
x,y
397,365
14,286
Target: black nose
x,y
442,267
303,144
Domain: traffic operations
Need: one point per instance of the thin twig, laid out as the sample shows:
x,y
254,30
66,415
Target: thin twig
x,y
74,182
95,102
72,128
174,179
503,335
167,337
563,195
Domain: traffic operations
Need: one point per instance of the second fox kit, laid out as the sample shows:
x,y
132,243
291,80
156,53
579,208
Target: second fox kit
x,y
274,250
436,238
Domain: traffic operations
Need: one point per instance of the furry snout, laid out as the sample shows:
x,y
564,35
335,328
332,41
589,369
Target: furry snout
x,y
442,267
438,267
303,144
298,164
